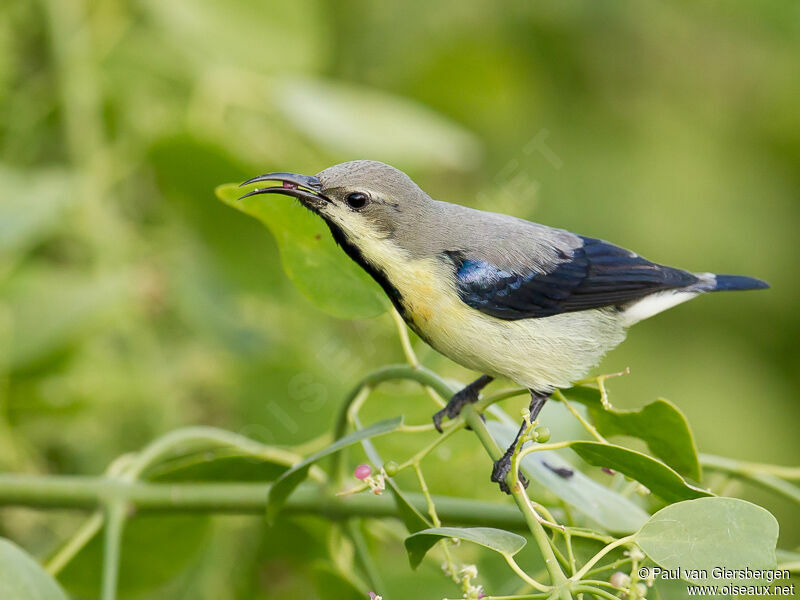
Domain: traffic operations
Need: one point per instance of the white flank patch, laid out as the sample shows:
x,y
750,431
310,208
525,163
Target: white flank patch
x,y
654,304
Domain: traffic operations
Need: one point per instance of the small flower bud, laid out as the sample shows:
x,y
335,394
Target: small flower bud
x,y
378,483
635,554
542,433
470,571
391,468
362,472
620,580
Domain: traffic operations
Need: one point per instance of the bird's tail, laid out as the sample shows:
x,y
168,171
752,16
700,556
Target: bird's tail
x,y
714,282
706,282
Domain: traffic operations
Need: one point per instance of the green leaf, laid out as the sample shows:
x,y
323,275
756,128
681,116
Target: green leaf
x,y
711,532
411,517
332,584
660,424
320,270
155,550
351,120
608,509
283,487
21,577
504,542
652,473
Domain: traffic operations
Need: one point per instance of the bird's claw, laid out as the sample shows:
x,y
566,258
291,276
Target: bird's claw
x,y
500,471
437,419
453,408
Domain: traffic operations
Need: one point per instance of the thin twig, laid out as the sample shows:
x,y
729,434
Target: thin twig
x,y
586,425
116,514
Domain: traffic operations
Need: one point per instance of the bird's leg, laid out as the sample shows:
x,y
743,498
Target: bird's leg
x,y
503,465
460,399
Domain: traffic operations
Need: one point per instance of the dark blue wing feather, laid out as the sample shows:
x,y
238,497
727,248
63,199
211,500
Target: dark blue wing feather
x,y
595,275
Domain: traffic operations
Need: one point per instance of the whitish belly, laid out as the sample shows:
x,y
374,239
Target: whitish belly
x,y
536,353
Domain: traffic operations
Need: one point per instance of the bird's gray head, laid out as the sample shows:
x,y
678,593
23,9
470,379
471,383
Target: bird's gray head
x,y
366,200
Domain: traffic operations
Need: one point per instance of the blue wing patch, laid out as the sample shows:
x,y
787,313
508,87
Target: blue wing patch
x,y
597,274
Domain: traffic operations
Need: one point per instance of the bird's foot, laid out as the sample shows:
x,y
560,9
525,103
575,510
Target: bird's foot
x,y
453,408
460,399
500,471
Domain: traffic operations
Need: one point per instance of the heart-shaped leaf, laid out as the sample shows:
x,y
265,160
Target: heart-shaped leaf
x,y
285,485
320,270
660,424
504,542
21,577
697,536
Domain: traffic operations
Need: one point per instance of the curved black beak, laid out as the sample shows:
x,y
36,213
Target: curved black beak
x,y
305,188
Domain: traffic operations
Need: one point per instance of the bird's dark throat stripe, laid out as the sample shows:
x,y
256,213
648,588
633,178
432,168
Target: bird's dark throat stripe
x,y
376,273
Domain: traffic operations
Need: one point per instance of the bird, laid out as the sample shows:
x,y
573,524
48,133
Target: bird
x,y
497,294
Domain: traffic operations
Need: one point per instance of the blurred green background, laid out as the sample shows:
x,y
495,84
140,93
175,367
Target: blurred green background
x,y
133,302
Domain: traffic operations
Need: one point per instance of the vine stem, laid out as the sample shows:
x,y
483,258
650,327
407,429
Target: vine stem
x,y
90,493
609,567
557,577
116,514
537,447
81,537
746,469
425,492
586,425
411,356
405,341
523,575
596,592
419,374
770,477
486,401
593,561
166,445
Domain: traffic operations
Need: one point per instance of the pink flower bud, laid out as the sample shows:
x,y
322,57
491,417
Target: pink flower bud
x,y
362,472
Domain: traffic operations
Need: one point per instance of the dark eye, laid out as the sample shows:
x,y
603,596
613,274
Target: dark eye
x,y
357,200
